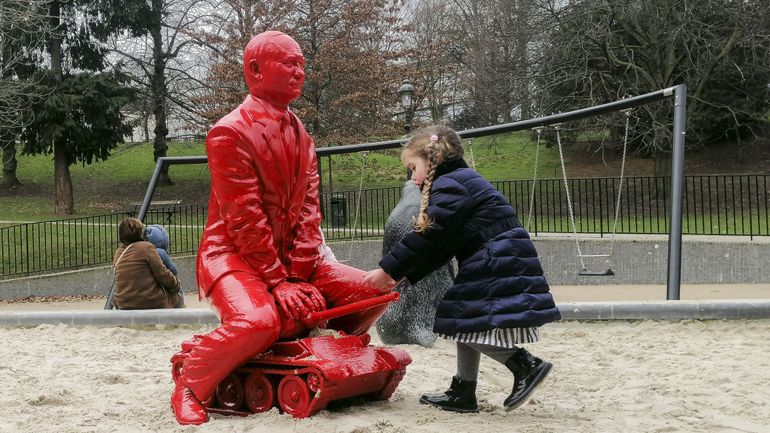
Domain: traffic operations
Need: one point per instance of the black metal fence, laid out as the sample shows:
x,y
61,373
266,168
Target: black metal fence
x,y
713,205
48,246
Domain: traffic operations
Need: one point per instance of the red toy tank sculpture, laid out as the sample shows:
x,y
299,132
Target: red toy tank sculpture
x,y
303,375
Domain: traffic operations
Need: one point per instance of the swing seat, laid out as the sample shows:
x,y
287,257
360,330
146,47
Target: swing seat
x,y
587,273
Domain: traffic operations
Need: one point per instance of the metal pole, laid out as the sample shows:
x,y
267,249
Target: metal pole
x,y
150,189
634,101
159,166
677,188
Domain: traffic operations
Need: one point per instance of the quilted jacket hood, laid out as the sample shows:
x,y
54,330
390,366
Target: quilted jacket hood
x,y
157,235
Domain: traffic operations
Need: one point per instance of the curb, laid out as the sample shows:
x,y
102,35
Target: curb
x,y
652,310
109,317
667,310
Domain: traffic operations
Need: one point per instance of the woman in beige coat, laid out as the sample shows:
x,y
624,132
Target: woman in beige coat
x,y
142,281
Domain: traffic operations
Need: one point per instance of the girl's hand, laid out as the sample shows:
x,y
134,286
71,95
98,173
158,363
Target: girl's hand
x,y
380,280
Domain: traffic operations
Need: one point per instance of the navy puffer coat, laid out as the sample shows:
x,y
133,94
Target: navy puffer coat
x,y
500,282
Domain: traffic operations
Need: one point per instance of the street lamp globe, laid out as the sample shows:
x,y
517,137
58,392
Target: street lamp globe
x,y
406,91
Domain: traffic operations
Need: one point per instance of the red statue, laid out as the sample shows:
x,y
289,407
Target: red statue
x,y
258,262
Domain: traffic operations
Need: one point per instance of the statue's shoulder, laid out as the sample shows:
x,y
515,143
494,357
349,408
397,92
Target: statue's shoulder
x,y
248,119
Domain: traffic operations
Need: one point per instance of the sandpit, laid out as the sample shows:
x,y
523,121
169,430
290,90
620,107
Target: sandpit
x,y
644,376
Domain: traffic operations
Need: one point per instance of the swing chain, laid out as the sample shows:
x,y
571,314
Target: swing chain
x,y
539,131
620,183
569,200
364,156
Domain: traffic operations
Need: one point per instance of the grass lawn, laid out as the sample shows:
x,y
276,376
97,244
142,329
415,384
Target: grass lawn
x,y
501,157
117,184
103,187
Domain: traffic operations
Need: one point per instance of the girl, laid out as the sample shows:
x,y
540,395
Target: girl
x,y
499,297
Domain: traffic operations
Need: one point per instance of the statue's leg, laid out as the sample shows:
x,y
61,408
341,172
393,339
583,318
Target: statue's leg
x,y
250,324
340,285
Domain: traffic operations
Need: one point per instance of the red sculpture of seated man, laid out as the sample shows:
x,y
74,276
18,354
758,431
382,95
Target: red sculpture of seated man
x,y
258,261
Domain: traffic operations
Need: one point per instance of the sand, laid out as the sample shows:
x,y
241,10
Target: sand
x,y
647,376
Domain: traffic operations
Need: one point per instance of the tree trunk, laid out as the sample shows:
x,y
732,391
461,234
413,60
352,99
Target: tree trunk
x,y
9,132
159,145
146,127
9,163
64,202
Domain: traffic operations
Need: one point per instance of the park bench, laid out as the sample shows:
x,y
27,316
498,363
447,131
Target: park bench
x,y
169,208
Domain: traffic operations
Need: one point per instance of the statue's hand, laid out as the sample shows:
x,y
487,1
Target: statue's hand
x,y
298,299
315,299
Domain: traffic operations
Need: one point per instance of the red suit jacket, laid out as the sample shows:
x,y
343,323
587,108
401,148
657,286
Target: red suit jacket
x,y
264,214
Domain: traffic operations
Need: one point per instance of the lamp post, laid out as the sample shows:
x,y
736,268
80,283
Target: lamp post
x,y
405,92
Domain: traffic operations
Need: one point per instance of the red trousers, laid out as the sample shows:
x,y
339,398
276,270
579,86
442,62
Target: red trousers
x,y
251,322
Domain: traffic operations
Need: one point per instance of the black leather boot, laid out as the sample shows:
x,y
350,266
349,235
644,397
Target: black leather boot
x,y
528,372
460,397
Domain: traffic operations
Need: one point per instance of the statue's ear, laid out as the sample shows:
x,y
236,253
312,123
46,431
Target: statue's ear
x,y
254,68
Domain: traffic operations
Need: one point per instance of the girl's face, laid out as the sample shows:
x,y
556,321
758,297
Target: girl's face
x,y
417,165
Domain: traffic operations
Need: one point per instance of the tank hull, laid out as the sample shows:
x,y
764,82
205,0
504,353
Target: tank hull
x,y
302,376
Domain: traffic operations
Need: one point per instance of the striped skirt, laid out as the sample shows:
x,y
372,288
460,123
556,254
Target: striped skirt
x,y
507,338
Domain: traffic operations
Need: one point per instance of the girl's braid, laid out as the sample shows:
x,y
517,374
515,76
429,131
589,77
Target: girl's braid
x,y
423,221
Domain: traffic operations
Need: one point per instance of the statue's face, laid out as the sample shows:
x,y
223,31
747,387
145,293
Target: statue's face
x,y
282,72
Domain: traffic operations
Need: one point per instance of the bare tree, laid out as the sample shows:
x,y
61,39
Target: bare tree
x,y
23,29
437,75
352,51
224,34
600,51
349,46
163,61
494,40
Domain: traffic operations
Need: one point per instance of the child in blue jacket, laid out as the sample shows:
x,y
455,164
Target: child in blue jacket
x,y
499,298
157,235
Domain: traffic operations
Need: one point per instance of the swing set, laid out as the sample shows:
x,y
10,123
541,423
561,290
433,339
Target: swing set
x,y
678,93
582,256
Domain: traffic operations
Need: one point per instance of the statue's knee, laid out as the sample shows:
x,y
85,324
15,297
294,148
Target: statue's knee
x,y
263,324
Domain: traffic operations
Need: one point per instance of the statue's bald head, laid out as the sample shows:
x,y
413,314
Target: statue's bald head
x,y
269,45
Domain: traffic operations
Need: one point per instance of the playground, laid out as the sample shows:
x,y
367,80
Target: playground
x,y
588,189
609,375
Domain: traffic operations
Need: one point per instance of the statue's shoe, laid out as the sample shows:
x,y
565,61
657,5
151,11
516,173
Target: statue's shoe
x,y
187,409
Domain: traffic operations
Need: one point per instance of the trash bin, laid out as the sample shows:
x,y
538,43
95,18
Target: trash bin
x,y
339,210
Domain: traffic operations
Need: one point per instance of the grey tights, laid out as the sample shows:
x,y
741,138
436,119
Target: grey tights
x,y
469,355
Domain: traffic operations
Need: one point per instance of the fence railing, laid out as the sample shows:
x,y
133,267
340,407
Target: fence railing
x,y
48,246
713,205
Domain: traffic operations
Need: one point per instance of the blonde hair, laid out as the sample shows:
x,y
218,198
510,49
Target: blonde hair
x,y
130,230
436,144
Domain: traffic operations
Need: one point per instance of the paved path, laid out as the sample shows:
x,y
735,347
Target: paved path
x,y
657,292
